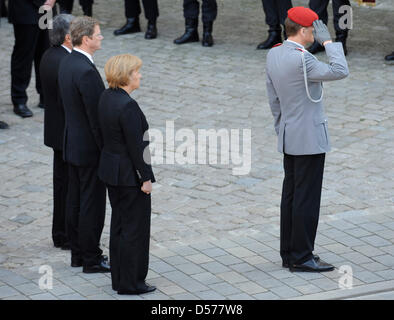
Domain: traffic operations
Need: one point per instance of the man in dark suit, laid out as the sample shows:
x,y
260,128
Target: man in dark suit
x,y
66,6
61,47
30,44
133,10
320,7
80,87
275,15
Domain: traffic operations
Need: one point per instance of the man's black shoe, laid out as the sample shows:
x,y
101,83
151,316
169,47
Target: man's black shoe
x,y
76,262
207,39
315,48
274,38
3,125
102,267
285,264
312,265
389,58
145,288
151,31
22,110
132,26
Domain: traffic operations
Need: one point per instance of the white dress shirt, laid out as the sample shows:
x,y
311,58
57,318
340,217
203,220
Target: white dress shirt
x,y
85,54
68,50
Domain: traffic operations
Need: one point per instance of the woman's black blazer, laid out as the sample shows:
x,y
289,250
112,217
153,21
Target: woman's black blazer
x,y
125,157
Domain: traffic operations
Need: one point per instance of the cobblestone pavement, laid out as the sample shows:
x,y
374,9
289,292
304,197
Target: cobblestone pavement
x,y
216,235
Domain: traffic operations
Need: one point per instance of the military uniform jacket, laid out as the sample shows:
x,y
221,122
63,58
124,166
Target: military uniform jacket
x,y
301,124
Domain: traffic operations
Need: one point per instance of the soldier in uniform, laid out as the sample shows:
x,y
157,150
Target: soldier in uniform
x,y
66,6
275,15
133,10
320,7
294,87
191,10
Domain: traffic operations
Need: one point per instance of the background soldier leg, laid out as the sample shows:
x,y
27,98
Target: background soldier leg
x,y
191,10
341,33
151,10
209,10
320,7
132,12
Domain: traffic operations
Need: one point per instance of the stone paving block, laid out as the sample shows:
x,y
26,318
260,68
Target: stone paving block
x,y
161,266
250,287
199,258
368,250
376,241
189,268
215,252
325,284
215,267
240,296
29,288
337,248
224,288
358,232
7,291
232,277
87,289
386,274
266,296
228,260
367,277
285,292
356,257
242,267
19,297
43,296
171,290
210,295
387,260
184,296
206,278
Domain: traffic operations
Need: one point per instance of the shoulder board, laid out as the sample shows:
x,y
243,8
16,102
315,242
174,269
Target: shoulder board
x,y
277,45
300,49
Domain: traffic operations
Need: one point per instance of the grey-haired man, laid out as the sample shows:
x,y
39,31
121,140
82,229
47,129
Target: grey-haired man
x,y
54,121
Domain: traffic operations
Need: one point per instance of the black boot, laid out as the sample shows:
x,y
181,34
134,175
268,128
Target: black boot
x,y
389,58
341,37
87,10
151,30
274,37
207,39
315,48
191,32
132,25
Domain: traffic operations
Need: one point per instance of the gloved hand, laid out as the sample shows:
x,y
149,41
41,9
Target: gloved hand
x,y
320,32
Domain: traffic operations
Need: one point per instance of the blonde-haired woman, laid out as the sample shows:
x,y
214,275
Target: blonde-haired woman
x,y
124,167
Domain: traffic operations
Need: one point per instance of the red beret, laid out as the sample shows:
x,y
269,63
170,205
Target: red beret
x,y
302,16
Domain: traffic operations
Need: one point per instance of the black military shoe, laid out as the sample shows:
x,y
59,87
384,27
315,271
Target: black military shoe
x,y
3,125
22,110
101,267
145,288
341,37
389,58
315,48
274,37
207,39
312,265
151,30
191,32
76,262
285,264
132,26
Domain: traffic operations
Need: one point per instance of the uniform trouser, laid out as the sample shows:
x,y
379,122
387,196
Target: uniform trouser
x,y
60,185
129,237
30,44
133,9
67,5
300,206
85,213
209,9
320,7
276,12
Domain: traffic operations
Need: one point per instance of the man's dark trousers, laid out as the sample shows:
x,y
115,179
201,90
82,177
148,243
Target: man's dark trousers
x,y
86,199
320,7
300,206
133,9
209,9
60,186
30,44
276,12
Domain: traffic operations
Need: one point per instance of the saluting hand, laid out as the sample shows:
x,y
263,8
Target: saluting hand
x,y
320,32
147,187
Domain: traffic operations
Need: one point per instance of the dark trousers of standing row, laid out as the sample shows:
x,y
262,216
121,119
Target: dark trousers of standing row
x,y
129,237
30,44
133,9
300,206
85,213
67,5
320,7
209,9
60,186
276,12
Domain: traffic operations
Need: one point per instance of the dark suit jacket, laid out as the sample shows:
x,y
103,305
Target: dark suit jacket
x,y
123,125
24,11
80,86
54,112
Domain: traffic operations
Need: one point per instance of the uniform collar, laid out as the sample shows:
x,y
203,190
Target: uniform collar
x,y
294,44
